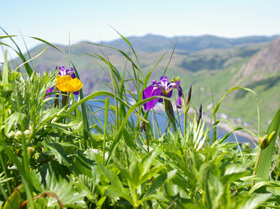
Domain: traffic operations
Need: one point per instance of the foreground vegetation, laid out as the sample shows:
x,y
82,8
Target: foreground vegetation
x,y
57,151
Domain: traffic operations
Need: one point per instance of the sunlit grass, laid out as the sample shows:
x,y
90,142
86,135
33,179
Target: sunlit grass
x,y
75,155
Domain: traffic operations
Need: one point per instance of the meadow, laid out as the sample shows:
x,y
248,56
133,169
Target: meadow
x,y
57,151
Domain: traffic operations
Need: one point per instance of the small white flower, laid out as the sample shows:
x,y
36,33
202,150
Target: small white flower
x,y
11,134
27,133
18,134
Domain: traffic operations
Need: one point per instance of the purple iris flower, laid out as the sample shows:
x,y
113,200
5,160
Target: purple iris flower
x,y
162,88
63,72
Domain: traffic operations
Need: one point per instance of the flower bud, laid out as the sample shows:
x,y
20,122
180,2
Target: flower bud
x,y
263,142
30,150
271,136
174,80
189,96
199,114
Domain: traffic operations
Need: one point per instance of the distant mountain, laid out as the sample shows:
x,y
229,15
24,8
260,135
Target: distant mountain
x,y
263,64
153,43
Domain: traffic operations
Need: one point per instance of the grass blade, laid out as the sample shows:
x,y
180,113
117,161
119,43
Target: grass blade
x,y
264,165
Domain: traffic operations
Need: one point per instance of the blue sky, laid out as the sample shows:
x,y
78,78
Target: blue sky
x,y
57,20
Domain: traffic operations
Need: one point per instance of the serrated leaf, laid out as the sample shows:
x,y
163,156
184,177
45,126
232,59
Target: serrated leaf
x,y
63,189
59,152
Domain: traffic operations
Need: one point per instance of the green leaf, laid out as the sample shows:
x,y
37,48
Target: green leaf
x,y
24,63
214,189
274,185
233,172
39,39
264,165
149,158
13,201
63,189
159,181
114,180
82,165
59,152
128,139
5,78
254,201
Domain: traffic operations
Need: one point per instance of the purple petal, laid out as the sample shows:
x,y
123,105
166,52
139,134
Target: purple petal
x,y
72,73
149,92
49,91
170,94
179,102
62,71
76,92
163,79
180,92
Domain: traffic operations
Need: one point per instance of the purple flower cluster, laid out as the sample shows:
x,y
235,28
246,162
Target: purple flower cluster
x,y
161,88
63,72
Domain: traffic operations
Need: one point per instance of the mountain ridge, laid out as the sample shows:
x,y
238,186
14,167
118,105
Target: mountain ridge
x,y
150,42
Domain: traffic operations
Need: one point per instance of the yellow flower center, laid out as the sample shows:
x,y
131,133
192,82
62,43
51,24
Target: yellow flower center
x,y
68,84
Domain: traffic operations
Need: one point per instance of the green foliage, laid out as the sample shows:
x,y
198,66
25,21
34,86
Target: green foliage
x,y
54,156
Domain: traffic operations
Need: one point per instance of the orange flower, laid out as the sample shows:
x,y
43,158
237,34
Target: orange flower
x,y
68,84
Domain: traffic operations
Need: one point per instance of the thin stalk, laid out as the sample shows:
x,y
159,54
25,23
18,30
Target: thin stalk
x,y
56,101
105,127
185,122
170,113
65,98
1,158
256,165
6,174
28,183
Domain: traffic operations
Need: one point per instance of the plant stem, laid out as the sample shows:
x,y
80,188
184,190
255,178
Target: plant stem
x,y
105,127
256,165
170,113
64,99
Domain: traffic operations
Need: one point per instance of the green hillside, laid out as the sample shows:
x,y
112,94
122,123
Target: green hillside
x,y
212,65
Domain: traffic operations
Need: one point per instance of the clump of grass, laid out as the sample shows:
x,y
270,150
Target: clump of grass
x,y
74,156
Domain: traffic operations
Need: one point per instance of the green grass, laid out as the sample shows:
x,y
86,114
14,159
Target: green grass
x,y
51,158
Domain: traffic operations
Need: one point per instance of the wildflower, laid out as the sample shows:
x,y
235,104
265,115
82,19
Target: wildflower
x,y
18,134
11,134
27,132
68,84
64,72
162,88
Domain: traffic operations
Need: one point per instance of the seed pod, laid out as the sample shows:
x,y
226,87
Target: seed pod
x,y
189,96
199,114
